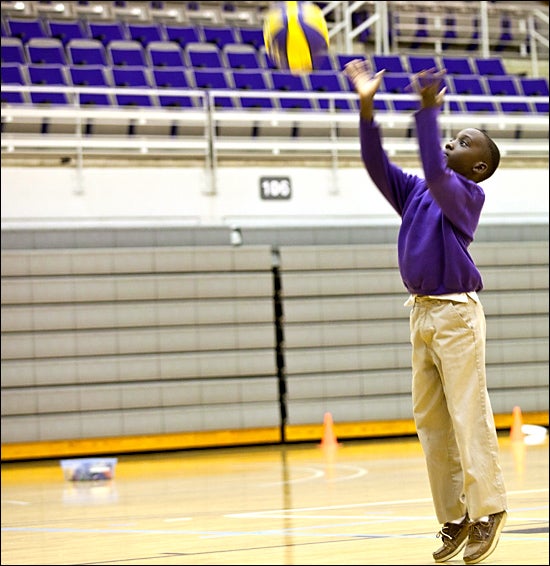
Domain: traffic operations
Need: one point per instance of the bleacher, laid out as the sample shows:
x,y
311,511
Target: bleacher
x,y
138,347
70,73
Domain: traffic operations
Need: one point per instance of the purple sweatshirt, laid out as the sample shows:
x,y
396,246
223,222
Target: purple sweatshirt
x,y
439,214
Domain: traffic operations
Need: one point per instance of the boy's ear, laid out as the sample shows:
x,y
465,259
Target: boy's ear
x,y
480,167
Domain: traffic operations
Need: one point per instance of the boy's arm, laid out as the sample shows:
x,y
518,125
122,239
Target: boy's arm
x,y
460,200
427,84
390,180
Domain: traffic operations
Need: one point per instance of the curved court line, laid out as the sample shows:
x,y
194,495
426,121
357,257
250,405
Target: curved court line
x,y
360,472
316,474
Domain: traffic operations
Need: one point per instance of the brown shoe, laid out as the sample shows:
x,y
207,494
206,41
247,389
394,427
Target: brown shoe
x,y
453,536
483,538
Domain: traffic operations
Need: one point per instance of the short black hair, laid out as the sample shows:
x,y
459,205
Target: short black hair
x,y
494,156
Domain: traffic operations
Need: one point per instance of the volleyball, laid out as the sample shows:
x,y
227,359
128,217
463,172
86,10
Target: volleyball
x,y
295,35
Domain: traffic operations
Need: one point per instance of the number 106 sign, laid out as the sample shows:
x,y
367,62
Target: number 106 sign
x,y
275,188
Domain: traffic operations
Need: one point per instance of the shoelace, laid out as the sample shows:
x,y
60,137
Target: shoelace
x,y
442,534
477,530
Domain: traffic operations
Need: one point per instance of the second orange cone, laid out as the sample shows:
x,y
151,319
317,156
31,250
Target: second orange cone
x,y
329,437
517,422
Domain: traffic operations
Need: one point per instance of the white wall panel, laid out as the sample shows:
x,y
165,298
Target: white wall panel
x,y
150,195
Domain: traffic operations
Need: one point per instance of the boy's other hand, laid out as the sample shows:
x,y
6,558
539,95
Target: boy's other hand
x,y
364,81
428,85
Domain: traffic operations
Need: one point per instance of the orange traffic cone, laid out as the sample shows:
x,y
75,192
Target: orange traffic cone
x,y
329,438
517,422
518,450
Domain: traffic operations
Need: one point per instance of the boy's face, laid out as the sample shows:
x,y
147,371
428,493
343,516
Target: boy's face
x,y
467,153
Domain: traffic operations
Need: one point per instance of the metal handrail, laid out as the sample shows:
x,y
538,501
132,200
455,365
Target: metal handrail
x,y
207,115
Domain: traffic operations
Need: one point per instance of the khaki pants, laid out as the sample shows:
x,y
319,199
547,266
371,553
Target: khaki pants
x,y
452,410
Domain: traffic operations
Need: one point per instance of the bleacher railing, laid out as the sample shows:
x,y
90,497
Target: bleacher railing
x,y
209,132
477,27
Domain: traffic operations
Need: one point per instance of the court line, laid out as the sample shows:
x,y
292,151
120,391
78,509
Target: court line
x,y
316,474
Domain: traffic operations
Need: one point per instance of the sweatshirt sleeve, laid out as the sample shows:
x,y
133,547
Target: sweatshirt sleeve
x,y
460,199
391,181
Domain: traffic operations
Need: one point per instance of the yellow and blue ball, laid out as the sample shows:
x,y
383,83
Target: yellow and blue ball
x,y
296,35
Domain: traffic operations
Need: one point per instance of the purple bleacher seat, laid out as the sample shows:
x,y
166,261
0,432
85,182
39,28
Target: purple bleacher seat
x,y
419,63
330,82
86,52
220,36
146,32
65,30
457,65
472,84
132,77
506,86
489,66
535,86
173,78
13,51
209,79
342,59
26,28
42,50
421,31
506,37
284,81
107,31
14,74
165,54
473,45
391,63
51,75
253,79
251,36
239,56
126,53
204,55
449,33
92,76
183,34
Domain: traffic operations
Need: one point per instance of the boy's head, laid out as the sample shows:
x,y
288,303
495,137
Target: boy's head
x,y
473,154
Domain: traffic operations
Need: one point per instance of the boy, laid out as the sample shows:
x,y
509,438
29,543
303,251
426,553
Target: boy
x,y
451,406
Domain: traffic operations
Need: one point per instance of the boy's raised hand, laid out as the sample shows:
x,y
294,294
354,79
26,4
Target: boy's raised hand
x,y
428,85
365,82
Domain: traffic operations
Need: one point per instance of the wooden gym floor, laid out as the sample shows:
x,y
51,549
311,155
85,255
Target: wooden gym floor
x,y
363,502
